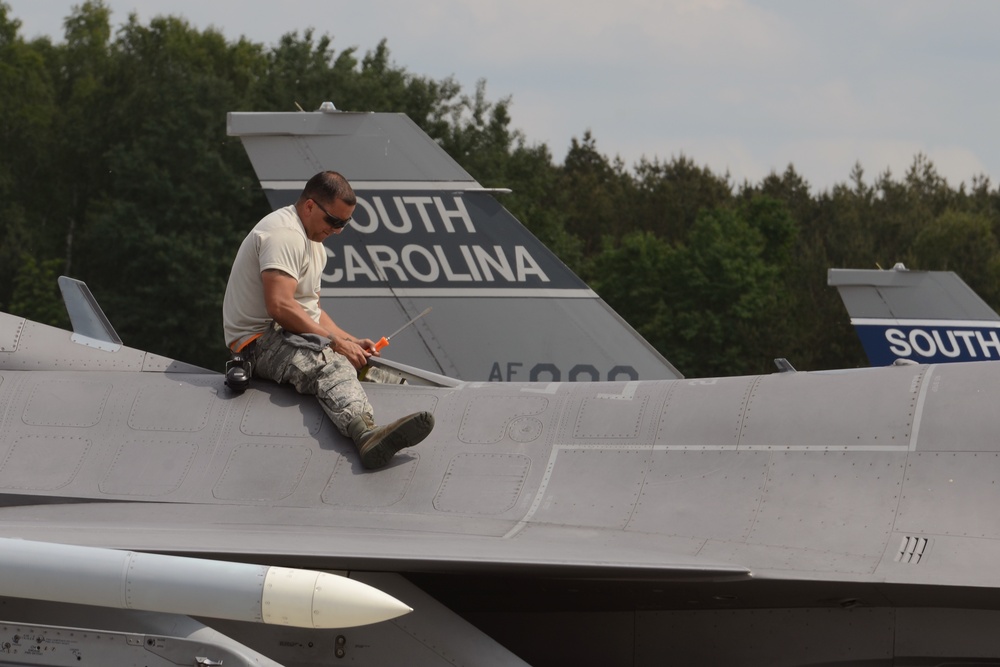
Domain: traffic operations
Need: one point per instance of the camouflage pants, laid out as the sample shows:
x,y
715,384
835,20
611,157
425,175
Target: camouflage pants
x,y
324,373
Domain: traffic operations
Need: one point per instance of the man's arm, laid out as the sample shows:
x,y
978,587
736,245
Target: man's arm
x,y
366,344
279,299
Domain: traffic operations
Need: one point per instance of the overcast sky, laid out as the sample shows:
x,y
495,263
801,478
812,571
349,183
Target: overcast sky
x,y
741,86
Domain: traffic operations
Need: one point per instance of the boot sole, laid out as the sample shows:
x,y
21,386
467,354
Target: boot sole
x,y
405,433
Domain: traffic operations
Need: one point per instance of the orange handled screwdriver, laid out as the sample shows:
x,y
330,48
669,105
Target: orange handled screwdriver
x,y
385,339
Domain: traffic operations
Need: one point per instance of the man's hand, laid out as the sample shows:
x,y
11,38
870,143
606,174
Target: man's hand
x,y
355,353
368,345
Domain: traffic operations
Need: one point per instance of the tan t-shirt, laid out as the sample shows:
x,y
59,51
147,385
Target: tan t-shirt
x,y
278,241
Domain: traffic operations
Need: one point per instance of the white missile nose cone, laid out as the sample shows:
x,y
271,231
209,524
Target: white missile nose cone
x,y
339,602
309,599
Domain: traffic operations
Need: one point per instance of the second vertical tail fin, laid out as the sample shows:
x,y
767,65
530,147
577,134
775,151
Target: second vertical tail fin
x,y
923,316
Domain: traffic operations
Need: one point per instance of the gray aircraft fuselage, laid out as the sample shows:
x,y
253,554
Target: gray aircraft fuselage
x,y
791,518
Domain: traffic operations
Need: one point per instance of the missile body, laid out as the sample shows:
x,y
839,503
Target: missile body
x,y
189,586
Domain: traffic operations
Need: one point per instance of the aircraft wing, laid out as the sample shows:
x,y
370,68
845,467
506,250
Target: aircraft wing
x,y
791,518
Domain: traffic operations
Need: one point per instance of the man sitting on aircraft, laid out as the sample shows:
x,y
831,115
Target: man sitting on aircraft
x,y
272,316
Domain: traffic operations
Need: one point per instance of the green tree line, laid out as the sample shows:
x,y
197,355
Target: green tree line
x,y
115,168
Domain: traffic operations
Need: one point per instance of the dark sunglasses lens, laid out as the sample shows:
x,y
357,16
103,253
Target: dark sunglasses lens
x,y
336,223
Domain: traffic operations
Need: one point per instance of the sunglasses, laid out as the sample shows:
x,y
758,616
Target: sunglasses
x,y
335,222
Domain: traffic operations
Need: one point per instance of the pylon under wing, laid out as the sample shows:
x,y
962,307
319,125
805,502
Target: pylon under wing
x,y
426,234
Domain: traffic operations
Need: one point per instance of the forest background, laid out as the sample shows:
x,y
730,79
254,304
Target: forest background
x,y
115,168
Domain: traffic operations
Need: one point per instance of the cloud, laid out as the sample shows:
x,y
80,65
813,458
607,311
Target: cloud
x,y
748,85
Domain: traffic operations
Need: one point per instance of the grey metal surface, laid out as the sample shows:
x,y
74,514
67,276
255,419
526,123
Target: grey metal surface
x,y
541,339
87,317
905,294
61,635
694,504
362,146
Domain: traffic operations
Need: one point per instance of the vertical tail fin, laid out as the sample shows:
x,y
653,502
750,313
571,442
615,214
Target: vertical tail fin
x,y
924,316
426,234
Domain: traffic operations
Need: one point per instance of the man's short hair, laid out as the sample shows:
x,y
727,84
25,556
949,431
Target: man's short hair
x,y
329,186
